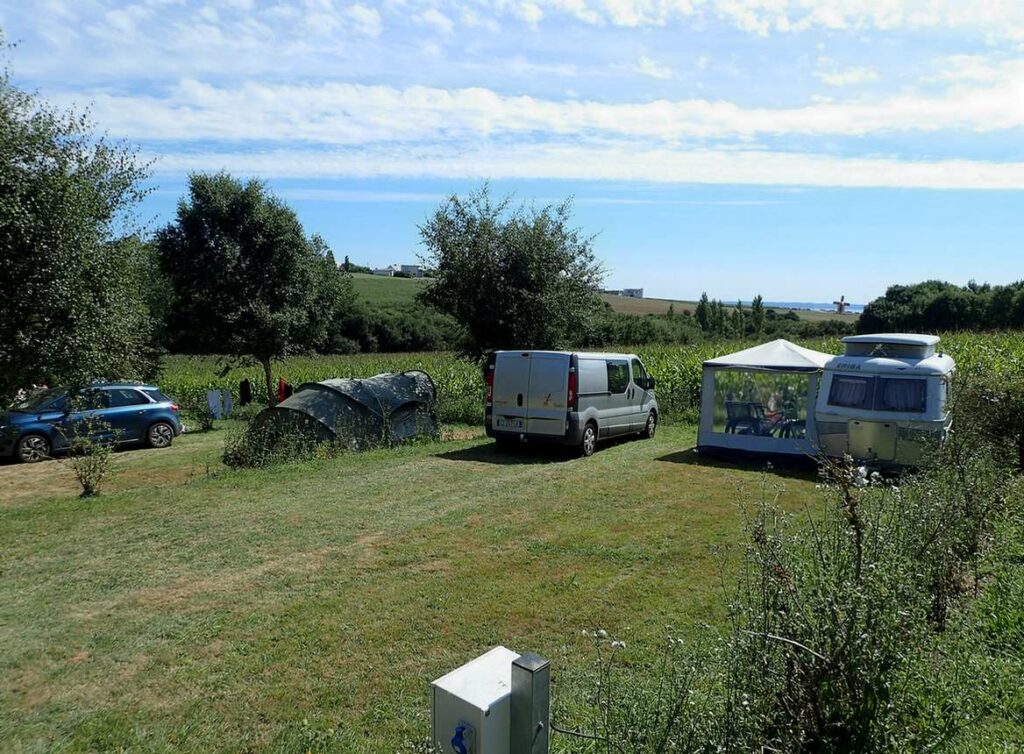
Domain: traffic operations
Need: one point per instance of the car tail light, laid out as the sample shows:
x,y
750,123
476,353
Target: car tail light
x,y
570,397
174,407
490,384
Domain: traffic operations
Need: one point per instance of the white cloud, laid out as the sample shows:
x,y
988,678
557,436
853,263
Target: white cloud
x,y
343,113
596,162
999,17
437,19
652,68
367,20
831,73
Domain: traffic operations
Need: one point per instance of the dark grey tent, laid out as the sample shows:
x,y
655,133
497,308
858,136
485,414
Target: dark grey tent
x,y
385,409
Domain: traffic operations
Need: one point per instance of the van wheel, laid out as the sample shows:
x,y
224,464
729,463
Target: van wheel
x,y
588,443
651,427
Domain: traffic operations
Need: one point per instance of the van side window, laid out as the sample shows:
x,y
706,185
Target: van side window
x,y
851,392
639,373
618,376
901,395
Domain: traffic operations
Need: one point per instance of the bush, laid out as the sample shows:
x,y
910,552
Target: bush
x,y
89,453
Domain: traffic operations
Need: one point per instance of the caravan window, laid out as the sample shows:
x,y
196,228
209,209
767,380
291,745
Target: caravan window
x,y
901,395
851,392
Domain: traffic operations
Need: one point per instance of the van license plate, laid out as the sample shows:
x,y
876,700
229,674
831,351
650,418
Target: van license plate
x,y
510,423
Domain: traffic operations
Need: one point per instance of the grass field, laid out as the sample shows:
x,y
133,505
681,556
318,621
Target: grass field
x,y
377,289
192,608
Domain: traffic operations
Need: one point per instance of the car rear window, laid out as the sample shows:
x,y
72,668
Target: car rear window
x,y
156,395
121,396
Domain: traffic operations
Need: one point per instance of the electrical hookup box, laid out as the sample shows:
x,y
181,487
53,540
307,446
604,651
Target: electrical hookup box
x,y
470,706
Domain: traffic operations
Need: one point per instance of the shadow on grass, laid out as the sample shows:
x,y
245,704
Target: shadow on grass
x,y
523,455
794,467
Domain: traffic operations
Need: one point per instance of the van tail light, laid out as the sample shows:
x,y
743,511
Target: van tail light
x,y
490,385
571,394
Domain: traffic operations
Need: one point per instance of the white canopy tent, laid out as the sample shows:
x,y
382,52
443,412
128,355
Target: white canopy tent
x,y
761,400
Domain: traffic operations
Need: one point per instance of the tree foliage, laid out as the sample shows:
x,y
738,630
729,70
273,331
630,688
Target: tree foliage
x,y
246,280
935,305
515,277
72,306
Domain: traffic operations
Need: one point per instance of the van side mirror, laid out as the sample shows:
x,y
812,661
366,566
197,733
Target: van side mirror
x,y
650,383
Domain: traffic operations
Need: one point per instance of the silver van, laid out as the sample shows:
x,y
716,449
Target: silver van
x,y
570,398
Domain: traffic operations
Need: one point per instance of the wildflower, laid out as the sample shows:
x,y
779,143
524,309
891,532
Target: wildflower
x,y
618,645
601,633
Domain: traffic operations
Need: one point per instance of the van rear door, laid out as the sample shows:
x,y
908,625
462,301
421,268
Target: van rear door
x,y
511,386
549,382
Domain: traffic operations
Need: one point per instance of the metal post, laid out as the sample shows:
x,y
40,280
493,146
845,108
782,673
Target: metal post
x,y
530,705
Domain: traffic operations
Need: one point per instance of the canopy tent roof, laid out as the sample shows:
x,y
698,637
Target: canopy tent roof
x,y
777,355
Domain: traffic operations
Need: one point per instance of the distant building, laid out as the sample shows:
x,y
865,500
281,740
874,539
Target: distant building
x,y
627,292
405,270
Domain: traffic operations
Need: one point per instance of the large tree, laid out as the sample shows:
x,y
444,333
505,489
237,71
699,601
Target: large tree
x,y
72,306
513,277
246,280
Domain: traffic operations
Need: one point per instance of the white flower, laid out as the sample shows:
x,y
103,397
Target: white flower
x,y
602,633
618,645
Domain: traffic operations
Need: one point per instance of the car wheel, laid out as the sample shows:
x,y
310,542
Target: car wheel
x,y
160,435
588,443
651,427
33,448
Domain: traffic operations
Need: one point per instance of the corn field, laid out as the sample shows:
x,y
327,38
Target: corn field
x,y
459,383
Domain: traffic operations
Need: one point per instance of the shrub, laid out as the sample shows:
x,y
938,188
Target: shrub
x,y
90,448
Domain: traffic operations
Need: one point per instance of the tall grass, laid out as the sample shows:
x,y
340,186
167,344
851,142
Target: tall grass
x,y
460,383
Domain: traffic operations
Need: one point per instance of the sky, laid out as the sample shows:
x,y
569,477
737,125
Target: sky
x,y
797,149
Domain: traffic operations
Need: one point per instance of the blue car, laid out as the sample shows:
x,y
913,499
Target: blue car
x,y
124,413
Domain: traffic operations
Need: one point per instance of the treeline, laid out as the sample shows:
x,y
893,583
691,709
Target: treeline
x,y
936,306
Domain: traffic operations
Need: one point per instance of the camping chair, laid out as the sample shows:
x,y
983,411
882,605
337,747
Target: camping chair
x,y
744,418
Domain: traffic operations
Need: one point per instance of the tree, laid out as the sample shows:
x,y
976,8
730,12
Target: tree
x,y
514,278
72,307
246,280
757,314
703,312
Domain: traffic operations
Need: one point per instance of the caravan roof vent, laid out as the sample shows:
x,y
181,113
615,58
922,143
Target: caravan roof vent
x,y
892,345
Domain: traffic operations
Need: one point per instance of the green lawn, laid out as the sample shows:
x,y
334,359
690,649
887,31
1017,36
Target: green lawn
x,y
377,289
380,290
194,608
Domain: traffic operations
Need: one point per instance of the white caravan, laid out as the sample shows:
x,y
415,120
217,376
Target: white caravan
x,y
570,398
884,400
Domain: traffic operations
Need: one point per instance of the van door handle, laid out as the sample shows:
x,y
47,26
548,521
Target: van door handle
x,y
519,399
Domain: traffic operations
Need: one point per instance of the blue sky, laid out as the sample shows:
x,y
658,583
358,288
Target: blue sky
x,y
797,149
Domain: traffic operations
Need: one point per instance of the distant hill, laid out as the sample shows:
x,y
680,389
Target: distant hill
x,y
377,289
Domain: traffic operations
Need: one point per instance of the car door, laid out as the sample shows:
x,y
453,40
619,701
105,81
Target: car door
x,y
617,416
640,397
80,414
128,413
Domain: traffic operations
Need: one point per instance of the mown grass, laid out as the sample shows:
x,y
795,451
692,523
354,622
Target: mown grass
x,y
191,608
380,290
